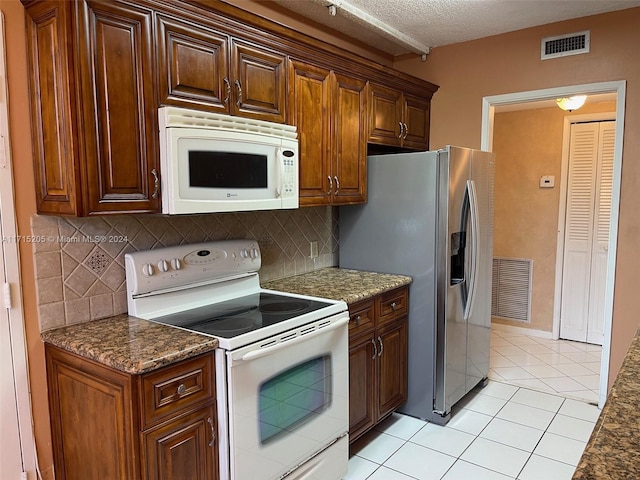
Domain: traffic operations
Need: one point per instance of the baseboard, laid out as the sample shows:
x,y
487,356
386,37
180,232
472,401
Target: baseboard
x,y
522,331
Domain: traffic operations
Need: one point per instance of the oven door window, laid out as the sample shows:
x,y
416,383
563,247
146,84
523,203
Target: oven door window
x,y
294,397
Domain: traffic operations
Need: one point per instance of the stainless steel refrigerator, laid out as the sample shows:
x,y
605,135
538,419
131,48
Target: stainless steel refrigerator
x,y
429,215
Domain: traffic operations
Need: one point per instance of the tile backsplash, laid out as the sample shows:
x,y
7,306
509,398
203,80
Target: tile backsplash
x,y
79,262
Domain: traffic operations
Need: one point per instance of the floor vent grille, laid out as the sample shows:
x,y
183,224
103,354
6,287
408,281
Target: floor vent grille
x,y
511,290
563,45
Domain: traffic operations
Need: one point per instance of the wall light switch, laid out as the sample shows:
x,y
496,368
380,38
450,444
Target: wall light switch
x,y
547,181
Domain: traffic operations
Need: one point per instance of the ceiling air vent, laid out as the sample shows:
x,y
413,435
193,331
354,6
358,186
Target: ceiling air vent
x,y
563,45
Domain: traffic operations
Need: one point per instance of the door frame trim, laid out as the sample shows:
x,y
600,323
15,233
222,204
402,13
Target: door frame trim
x,y
562,213
11,255
619,88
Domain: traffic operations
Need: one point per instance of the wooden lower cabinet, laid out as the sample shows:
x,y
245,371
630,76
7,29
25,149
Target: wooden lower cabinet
x,y
110,424
377,359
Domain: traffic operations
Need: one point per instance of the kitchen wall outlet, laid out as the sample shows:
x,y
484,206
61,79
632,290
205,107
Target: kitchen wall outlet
x,y
313,247
547,181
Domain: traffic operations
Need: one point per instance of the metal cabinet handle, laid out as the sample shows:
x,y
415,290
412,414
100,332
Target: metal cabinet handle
x,y
239,87
400,131
181,389
375,349
330,185
406,131
156,183
213,432
337,185
393,306
381,346
228,87
357,319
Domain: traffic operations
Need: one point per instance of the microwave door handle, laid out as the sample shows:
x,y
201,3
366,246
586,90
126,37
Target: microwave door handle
x,y
280,180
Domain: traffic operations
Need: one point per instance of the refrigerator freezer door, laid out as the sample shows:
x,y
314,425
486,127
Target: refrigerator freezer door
x,y
451,326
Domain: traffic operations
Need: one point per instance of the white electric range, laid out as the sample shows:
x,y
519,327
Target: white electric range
x,y
282,365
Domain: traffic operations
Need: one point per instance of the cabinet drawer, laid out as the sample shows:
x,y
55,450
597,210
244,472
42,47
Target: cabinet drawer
x,y
168,390
361,317
393,304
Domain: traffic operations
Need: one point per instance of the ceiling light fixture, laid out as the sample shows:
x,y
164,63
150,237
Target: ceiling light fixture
x,y
571,103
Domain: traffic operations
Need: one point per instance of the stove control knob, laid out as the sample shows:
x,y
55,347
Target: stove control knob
x,y
255,253
147,270
244,253
176,264
163,266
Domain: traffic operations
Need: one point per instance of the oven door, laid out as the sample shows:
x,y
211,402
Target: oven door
x,y
288,400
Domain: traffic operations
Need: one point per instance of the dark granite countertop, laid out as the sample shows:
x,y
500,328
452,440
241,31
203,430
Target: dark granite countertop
x,y
339,284
129,344
613,451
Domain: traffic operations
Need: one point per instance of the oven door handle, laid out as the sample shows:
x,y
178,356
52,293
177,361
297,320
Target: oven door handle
x,y
279,346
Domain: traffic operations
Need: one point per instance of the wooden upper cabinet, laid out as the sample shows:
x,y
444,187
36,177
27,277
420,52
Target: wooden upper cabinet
x,y
202,68
310,112
116,71
193,65
329,111
93,107
349,140
259,82
398,118
55,139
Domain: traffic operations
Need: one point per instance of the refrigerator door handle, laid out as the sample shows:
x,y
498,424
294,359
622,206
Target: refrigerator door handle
x,y
473,203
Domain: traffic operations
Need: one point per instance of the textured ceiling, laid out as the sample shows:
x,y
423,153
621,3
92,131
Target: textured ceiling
x,y
425,24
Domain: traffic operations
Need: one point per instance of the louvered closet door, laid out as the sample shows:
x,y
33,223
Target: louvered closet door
x,y
587,231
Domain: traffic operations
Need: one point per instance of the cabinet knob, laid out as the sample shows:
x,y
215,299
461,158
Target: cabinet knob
x,y
181,389
357,319
393,306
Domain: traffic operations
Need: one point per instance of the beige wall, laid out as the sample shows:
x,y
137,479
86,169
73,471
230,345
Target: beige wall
x,y
528,144
509,63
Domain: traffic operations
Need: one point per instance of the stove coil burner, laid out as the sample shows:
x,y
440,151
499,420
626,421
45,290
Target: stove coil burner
x,y
288,306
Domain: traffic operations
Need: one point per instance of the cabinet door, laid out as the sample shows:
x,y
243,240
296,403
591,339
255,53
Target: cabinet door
x,y
392,366
309,111
259,82
55,144
193,66
93,419
350,141
362,362
184,449
416,118
119,115
385,117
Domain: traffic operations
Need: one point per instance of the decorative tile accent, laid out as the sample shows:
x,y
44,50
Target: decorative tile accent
x,y
82,261
98,261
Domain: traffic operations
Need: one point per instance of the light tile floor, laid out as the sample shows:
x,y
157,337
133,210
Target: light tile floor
x,y
501,432
571,369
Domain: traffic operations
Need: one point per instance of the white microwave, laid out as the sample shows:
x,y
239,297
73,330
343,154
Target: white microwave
x,y
219,163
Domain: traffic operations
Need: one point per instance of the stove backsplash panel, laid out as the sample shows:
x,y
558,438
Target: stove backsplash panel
x,y
79,262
